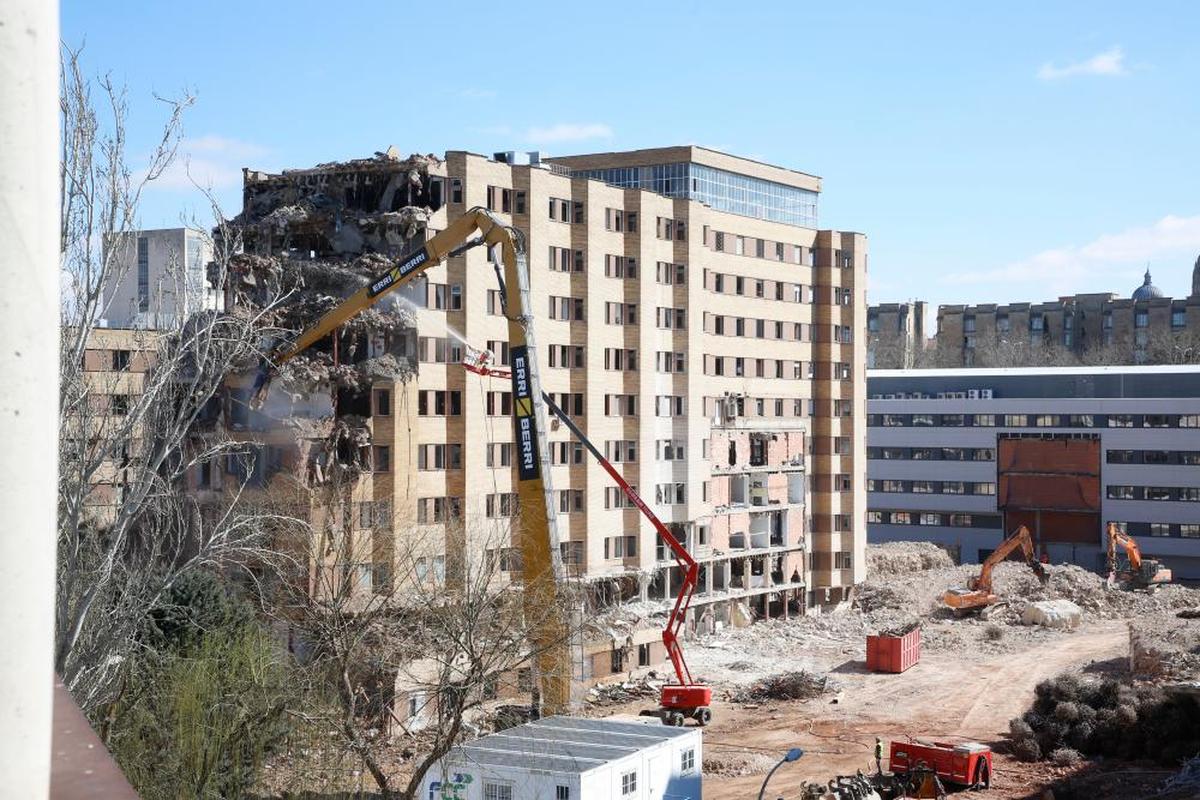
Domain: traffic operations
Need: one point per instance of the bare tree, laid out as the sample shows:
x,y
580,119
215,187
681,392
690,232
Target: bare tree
x,y
135,416
451,630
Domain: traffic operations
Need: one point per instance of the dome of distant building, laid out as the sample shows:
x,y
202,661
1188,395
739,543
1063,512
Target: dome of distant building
x,y
1147,290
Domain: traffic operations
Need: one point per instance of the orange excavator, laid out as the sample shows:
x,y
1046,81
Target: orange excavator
x,y
978,595
1137,572
685,698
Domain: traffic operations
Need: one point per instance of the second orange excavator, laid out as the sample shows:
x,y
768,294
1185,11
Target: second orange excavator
x,y
978,594
1138,573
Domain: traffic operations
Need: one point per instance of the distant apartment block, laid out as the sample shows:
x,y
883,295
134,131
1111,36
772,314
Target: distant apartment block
x,y
895,334
961,456
115,364
160,278
689,315
1136,329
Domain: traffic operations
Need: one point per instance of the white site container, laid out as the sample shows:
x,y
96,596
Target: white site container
x,y
570,758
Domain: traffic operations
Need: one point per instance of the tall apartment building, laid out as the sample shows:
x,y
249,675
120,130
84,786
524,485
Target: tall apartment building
x,y
652,271
962,456
1136,329
895,334
160,278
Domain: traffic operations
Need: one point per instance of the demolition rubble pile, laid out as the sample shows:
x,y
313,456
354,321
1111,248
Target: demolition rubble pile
x,y
1107,718
308,239
903,559
735,764
1165,647
904,586
611,694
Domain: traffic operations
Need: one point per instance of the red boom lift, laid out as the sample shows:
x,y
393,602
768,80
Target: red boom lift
x,y
684,698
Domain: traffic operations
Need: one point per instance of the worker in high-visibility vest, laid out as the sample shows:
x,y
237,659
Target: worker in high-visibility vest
x,y
878,756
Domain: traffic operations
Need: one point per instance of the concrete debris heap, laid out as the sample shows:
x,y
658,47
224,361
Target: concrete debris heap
x,y
1165,647
308,239
900,559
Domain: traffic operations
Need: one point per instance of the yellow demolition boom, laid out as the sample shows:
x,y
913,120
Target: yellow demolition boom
x,y
538,533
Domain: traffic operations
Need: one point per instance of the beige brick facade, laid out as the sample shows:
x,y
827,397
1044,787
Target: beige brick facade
x,y
717,358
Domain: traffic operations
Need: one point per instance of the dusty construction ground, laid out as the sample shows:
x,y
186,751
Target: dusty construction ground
x,y
945,695
972,679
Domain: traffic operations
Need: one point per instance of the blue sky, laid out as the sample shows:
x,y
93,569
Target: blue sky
x,y
991,152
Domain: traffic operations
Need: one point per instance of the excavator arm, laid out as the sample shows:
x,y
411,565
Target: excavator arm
x,y
1132,552
542,570
1021,539
978,593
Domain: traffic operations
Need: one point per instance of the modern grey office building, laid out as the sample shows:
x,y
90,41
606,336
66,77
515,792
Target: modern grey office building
x,y
960,456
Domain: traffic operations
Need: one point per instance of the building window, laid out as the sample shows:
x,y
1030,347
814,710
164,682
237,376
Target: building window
x,y
628,784
1141,319
1158,493
620,546
874,517
562,792
961,520
1160,529
985,488
1120,492
1190,530
1178,319
497,791
383,402
931,519
381,458
687,761
843,560
1016,420
1120,420
143,273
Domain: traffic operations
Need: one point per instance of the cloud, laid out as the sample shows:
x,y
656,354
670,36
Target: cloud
x,y
1110,62
1116,259
211,161
568,132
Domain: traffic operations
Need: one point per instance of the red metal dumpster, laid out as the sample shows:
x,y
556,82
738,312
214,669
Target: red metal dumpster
x,y
891,653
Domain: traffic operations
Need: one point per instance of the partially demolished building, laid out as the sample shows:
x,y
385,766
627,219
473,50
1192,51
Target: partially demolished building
x,y
655,270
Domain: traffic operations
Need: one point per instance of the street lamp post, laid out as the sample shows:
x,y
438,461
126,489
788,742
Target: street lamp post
x,y
788,757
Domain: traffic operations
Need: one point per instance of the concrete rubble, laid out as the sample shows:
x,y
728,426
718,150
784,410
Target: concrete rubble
x,y
904,586
306,240
1052,614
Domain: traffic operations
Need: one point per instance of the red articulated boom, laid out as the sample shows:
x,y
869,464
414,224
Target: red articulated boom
x,y
684,698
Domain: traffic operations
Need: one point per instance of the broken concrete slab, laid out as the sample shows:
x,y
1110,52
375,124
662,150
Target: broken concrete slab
x,y
1052,614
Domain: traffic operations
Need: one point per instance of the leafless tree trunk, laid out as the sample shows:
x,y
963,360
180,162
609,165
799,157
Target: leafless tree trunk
x,y
135,419
452,636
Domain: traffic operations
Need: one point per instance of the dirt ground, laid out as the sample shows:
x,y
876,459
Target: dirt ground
x,y
943,696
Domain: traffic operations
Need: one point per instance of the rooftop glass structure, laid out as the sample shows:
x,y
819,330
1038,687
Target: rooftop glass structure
x,y
718,188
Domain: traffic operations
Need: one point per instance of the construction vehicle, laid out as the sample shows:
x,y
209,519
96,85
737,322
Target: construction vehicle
x,y
1136,572
978,595
685,698
930,763
541,559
